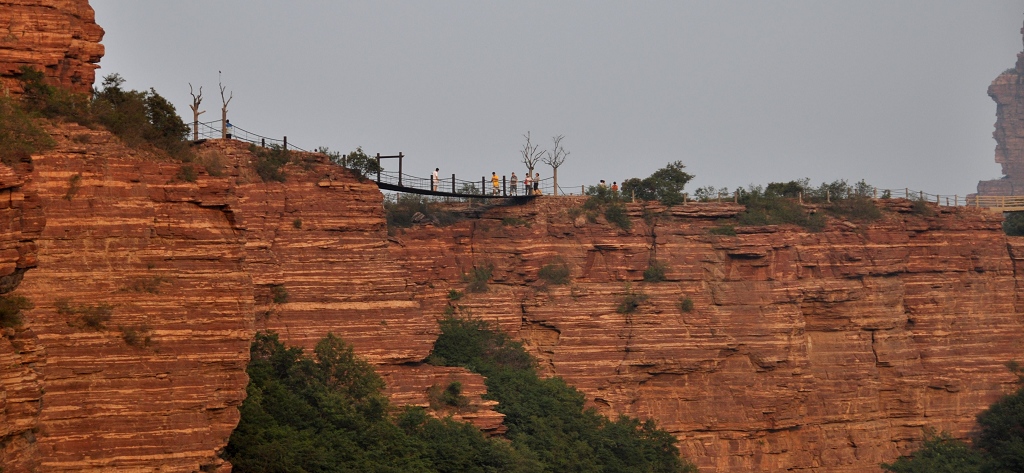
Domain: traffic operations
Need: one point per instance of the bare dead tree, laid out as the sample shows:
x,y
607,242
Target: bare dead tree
x,y
555,158
531,154
224,108
196,100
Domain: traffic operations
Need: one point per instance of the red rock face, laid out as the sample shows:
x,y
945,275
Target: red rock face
x,y
827,351
1007,91
59,37
20,389
186,273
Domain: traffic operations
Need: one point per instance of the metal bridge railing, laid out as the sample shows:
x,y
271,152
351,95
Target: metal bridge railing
x,y
484,187
212,130
452,185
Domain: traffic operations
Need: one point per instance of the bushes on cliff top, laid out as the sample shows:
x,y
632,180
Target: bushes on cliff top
x,y
327,413
664,185
604,201
20,137
546,418
780,203
137,117
406,210
269,162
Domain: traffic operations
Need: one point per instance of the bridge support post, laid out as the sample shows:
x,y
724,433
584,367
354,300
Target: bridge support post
x,y
286,143
504,190
378,167
453,183
399,168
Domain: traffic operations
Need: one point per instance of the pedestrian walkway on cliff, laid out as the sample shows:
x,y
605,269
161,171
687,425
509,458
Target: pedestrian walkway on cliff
x,y
397,181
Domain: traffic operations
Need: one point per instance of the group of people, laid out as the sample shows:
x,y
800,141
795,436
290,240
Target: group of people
x,y
496,183
615,185
513,183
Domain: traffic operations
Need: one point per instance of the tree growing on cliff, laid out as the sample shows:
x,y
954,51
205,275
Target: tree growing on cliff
x,y
664,185
546,418
20,136
555,158
532,154
328,413
998,446
139,117
224,107
196,100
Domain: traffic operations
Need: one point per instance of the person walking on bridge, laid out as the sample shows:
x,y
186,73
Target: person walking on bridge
x,y
433,180
526,183
513,182
536,183
495,183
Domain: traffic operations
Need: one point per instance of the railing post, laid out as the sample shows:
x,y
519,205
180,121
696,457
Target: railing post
x,y
921,194
378,167
453,183
504,190
286,143
956,200
399,169
482,188
263,142
906,193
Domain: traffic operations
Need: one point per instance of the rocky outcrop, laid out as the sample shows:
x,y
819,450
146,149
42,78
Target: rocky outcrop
x,y
59,37
1007,91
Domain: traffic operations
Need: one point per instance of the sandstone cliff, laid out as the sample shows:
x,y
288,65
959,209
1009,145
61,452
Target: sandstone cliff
x,y
59,37
804,351
1007,91
824,351
176,277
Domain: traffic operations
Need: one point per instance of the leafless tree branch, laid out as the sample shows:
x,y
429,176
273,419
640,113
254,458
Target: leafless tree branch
x,y
557,155
531,153
196,100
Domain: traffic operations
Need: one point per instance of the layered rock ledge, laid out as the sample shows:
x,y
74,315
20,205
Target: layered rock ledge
x,y
58,37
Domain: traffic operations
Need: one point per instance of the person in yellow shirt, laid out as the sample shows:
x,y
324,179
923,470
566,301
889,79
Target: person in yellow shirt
x,y
494,183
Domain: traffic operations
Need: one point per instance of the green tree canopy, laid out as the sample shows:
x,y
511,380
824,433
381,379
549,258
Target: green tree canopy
x,y
546,418
664,185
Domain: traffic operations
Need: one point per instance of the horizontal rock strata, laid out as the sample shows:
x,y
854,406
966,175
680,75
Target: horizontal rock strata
x,y
828,351
58,37
775,348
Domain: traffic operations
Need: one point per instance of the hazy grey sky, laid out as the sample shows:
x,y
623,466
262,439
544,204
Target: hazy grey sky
x,y
893,92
